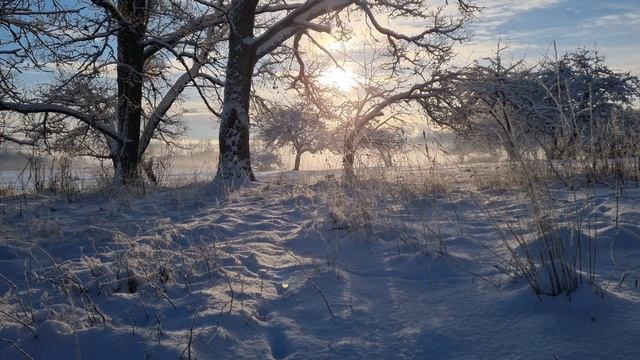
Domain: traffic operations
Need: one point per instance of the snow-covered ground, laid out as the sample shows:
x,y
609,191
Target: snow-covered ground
x,y
299,267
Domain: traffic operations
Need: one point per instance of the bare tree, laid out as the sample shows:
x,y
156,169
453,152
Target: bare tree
x,y
435,96
381,141
385,142
295,21
388,97
297,126
267,160
503,104
567,106
86,43
89,39
585,94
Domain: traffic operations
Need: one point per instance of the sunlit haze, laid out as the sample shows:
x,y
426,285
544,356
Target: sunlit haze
x,y
342,79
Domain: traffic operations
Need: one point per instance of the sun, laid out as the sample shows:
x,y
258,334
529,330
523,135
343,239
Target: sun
x,y
344,80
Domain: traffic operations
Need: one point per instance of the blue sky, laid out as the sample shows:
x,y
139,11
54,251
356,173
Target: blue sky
x,y
530,27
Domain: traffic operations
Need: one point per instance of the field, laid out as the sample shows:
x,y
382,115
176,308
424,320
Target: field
x,y
444,262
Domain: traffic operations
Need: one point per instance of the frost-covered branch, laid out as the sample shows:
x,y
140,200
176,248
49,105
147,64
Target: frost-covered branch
x,y
33,108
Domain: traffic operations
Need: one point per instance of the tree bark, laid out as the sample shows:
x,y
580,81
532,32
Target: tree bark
x,y
234,163
296,164
348,157
387,158
129,77
513,151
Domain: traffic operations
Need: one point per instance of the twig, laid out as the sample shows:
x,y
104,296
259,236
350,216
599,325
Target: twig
x,y
15,288
193,321
326,302
16,319
18,348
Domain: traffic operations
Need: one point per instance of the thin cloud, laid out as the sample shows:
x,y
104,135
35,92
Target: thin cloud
x,y
497,13
621,20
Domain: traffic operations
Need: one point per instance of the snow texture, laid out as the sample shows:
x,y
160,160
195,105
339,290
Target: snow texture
x,y
301,271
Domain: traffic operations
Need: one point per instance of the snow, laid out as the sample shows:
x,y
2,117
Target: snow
x,y
298,267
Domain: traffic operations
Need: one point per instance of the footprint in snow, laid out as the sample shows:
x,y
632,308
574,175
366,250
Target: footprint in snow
x,y
279,343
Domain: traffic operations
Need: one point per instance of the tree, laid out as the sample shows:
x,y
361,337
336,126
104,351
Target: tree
x,y
503,104
87,41
388,97
435,96
585,94
385,142
295,126
565,105
267,160
297,20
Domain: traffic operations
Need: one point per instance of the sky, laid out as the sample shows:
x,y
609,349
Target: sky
x,y
528,28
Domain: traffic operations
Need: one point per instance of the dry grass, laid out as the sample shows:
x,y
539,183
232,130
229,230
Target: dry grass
x,y
549,247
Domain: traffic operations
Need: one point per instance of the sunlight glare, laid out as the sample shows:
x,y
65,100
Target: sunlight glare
x,y
342,79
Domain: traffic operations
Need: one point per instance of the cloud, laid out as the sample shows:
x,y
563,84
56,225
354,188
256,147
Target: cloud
x,y
497,13
620,20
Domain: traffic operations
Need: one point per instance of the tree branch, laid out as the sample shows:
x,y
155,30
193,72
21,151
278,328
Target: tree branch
x,y
34,108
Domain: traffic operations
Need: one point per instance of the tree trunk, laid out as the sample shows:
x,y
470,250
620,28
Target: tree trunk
x,y
296,164
129,78
512,148
348,157
512,153
234,163
387,158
